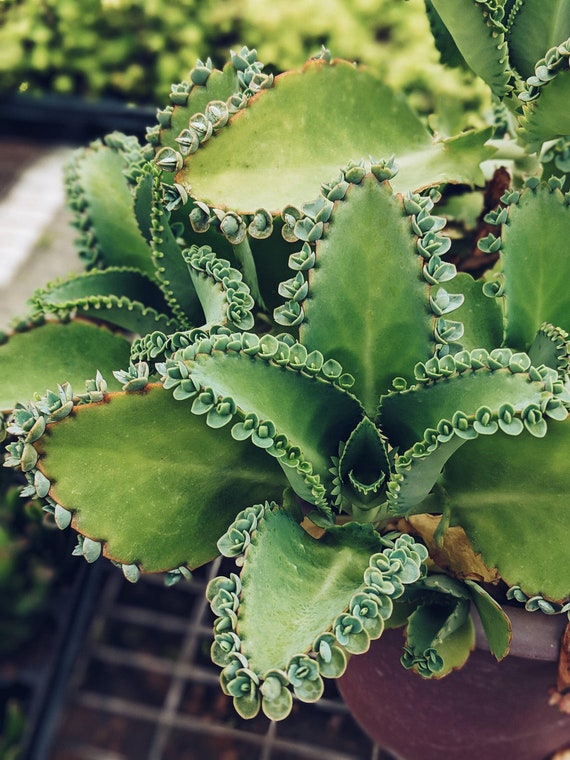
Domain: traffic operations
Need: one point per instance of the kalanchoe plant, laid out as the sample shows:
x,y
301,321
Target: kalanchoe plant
x,y
313,390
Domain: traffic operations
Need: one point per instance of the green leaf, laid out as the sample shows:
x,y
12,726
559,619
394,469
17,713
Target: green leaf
x,y
406,416
150,480
171,270
480,315
222,293
364,465
297,134
545,116
537,26
122,282
552,348
126,298
431,650
366,303
496,624
487,394
143,203
327,574
440,633
311,412
271,255
479,39
105,211
445,44
536,271
41,357
522,482
334,595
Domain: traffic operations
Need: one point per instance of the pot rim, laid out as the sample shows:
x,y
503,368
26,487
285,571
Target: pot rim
x,y
535,635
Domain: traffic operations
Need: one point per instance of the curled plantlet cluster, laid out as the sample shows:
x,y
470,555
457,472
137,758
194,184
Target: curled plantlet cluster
x,y
537,603
135,378
186,131
550,72
156,346
234,301
546,69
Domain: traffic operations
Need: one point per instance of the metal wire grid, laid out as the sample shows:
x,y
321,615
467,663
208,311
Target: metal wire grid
x,y
144,688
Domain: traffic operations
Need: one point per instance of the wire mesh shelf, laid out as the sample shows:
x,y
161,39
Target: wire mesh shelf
x,y
144,688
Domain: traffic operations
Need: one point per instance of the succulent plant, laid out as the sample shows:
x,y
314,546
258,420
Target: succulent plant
x,y
312,389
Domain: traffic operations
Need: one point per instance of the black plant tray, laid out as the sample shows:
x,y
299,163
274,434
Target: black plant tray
x,y
70,119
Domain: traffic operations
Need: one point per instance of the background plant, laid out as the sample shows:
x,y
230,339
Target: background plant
x,y
134,50
27,572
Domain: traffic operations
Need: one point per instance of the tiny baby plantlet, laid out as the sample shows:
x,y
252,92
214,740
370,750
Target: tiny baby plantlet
x,y
313,389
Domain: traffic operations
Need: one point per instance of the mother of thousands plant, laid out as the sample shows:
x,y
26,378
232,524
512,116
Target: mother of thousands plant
x,y
312,388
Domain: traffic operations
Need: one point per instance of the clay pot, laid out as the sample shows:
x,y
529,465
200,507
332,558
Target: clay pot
x,y
485,711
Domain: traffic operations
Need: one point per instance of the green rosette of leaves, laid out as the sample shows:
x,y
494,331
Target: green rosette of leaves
x,y
319,373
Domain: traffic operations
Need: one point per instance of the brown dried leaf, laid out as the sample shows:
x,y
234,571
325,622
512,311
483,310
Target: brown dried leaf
x,y
455,554
312,529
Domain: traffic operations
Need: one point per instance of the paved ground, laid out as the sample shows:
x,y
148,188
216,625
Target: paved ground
x,y
36,240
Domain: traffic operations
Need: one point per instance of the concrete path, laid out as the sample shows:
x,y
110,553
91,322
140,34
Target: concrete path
x,y
36,240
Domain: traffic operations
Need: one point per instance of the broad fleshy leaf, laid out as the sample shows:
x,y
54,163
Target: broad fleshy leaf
x,y
124,297
495,622
334,603
428,651
534,27
462,398
475,26
102,200
522,482
446,47
308,125
440,632
535,269
467,383
329,572
149,480
171,270
366,304
222,293
43,356
545,116
288,401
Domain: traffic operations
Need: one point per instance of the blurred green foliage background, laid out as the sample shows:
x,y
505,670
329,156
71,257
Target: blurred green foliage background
x,y
134,49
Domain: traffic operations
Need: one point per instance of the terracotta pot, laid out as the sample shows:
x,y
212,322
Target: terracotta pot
x,y
485,711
